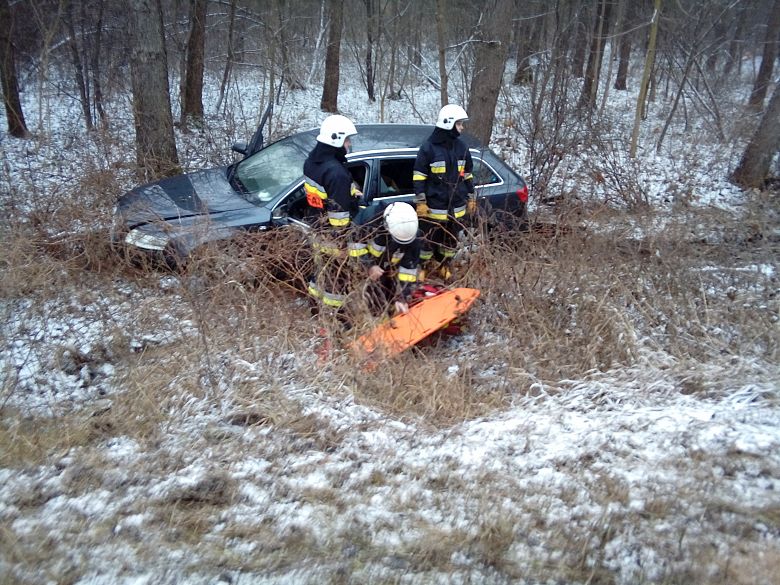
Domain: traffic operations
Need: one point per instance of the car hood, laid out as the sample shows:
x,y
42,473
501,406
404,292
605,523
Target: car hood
x,y
201,192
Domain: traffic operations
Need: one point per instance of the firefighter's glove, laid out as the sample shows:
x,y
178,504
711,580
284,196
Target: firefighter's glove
x,y
401,307
471,206
422,209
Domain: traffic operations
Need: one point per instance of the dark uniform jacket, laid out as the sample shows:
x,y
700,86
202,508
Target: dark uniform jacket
x,y
329,191
328,184
442,174
388,254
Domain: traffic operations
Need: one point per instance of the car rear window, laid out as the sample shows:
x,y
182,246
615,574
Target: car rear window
x,y
483,174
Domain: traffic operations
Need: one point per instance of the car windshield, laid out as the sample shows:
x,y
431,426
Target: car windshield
x,y
264,174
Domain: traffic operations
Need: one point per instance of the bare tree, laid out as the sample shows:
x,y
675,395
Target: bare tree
x,y
13,105
649,61
753,169
768,58
192,89
391,35
154,140
578,43
372,32
734,51
97,93
441,8
490,58
77,62
230,54
624,45
526,33
596,56
330,87
282,37
550,127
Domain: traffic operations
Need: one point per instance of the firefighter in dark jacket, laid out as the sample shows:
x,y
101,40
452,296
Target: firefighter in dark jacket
x,y
334,201
393,258
444,186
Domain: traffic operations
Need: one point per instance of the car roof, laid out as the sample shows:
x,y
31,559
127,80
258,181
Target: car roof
x,y
381,136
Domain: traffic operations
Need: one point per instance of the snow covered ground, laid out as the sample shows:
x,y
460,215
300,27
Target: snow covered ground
x,y
263,466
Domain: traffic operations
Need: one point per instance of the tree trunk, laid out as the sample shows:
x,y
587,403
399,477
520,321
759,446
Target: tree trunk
x,y
13,105
753,170
623,62
596,56
288,73
490,58
624,47
330,88
441,8
767,60
579,41
391,35
525,37
371,37
734,51
230,55
649,61
415,51
192,96
97,93
154,140
78,66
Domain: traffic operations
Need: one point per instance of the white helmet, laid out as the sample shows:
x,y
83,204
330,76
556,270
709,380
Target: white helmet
x,y
335,129
450,114
401,221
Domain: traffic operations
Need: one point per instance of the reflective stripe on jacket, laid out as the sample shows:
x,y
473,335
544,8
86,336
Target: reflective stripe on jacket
x,y
403,259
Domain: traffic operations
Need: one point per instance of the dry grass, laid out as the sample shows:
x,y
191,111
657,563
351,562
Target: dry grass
x,y
555,304
27,442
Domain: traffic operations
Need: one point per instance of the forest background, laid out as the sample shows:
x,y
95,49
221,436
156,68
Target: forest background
x,y
611,415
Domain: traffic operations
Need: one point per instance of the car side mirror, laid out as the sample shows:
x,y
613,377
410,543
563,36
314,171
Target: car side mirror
x,y
239,147
279,214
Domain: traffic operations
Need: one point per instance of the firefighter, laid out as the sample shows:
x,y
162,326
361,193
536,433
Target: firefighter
x,y
334,201
444,187
394,258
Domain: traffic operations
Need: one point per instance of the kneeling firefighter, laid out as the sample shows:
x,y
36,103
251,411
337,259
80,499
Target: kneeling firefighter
x,y
332,196
394,258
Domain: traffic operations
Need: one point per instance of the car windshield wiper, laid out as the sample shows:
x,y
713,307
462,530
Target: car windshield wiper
x,y
231,172
234,181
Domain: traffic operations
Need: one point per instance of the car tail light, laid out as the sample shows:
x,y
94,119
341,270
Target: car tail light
x,y
522,194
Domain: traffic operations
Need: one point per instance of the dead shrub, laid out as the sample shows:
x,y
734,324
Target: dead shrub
x,y
613,174
24,270
419,386
280,258
569,300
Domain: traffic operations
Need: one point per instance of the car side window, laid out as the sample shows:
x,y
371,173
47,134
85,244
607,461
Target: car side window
x,y
483,174
359,172
395,177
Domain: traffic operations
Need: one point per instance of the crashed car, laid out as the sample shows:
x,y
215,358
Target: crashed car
x,y
173,217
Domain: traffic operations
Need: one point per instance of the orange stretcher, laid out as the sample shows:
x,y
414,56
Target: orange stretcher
x,y
424,318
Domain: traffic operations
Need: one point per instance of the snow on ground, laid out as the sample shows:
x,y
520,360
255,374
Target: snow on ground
x,y
618,475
